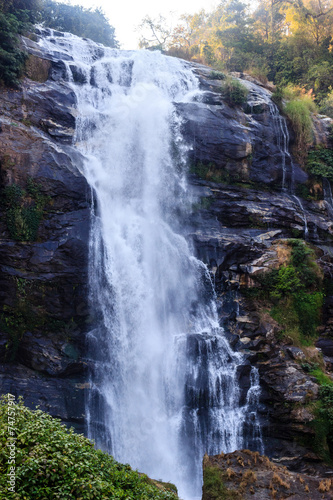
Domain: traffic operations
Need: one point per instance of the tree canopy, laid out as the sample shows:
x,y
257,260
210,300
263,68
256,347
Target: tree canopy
x,y
286,41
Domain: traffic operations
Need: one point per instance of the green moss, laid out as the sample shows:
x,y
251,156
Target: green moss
x,y
214,487
209,172
321,377
24,210
52,461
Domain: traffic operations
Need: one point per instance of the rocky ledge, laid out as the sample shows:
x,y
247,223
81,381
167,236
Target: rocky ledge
x,y
243,475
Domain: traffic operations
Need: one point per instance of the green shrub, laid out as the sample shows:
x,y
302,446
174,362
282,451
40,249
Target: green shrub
x,y
323,422
300,117
24,210
12,59
296,290
234,92
217,75
209,172
326,105
214,487
54,463
320,163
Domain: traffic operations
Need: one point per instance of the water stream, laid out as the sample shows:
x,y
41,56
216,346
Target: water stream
x,y
165,383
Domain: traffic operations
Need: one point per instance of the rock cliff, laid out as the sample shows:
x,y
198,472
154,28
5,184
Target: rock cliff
x,y
246,208
45,214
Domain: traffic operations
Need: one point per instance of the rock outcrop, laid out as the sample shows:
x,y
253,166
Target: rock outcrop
x,y
243,475
246,210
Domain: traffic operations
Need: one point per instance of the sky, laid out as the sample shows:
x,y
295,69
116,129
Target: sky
x,y
126,16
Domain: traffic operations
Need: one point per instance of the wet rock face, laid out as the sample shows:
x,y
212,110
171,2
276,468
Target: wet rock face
x,y
240,215
242,142
243,475
43,281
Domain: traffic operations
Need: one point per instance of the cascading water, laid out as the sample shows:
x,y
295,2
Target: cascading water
x,y
282,134
165,381
282,137
328,197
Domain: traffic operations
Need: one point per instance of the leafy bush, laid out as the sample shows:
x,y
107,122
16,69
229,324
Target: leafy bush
x,y
297,104
320,163
11,57
217,75
326,105
299,115
55,463
214,487
80,21
296,290
24,210
234,92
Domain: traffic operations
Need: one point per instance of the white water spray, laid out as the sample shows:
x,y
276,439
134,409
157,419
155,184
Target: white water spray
x,y
165,382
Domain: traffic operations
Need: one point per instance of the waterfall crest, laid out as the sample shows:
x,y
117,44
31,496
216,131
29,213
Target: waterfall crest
x,y
165,380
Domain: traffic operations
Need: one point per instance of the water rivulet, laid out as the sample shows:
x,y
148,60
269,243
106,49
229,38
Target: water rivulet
x,y
164,387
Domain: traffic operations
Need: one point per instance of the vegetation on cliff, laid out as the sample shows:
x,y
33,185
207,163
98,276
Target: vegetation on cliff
x,y
244,475
295,292
53,462
283,41
17,16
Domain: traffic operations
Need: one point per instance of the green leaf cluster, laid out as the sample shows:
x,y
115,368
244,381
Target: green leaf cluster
x,y
320,163
87,23
55,463
296,290
234,92
24,210
11,57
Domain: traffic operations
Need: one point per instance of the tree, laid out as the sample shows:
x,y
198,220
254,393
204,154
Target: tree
x,y
82,22
157,33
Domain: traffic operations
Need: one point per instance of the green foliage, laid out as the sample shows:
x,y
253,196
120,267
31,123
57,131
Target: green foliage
x,y
209,172
234,92
326,105
296,290
299,115
323,422
16,17
288,42
214,487
11,57
324,381
55,463
217,75
320,163
88,23
24,210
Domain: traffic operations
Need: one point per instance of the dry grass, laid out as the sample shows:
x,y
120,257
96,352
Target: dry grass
x,y
283,252
325,485
276,479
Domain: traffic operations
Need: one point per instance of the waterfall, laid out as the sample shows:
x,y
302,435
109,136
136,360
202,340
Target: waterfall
x,y
281,133
328,197
282,137
164,388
